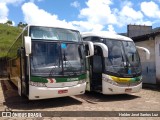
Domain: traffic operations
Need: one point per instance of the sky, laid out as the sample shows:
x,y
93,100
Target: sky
x,y
83,15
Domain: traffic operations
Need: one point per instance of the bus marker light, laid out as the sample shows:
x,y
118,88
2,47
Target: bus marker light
x,y
62,91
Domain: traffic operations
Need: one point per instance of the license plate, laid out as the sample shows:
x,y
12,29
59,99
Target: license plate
x,y
128,90
62,91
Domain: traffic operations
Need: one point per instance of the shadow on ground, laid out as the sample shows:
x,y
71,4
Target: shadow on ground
x,y
94,97
151,87
13,101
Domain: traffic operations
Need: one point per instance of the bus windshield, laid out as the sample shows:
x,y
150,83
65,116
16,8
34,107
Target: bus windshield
x,y
123,58
72,57
55,58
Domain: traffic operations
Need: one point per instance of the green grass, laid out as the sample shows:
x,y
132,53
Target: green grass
x,y
8,35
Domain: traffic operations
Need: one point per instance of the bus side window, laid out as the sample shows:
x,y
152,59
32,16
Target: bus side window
x,y
95,39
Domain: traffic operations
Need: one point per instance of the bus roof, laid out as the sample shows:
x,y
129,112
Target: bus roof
x,y
104,34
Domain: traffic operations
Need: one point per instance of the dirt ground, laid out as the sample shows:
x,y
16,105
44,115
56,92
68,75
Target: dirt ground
x,y
87,106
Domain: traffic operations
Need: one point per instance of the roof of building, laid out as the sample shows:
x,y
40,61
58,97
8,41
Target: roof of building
x,y
146,36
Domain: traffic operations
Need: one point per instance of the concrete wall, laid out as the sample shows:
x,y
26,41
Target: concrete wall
x,y
157,57
137,30
148,66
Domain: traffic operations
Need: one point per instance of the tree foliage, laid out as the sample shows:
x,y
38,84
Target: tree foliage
x,y
9,22
22,25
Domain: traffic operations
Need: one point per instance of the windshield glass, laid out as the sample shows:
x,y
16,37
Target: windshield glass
x,y
47,57
50,33
72,58
131,53
123,58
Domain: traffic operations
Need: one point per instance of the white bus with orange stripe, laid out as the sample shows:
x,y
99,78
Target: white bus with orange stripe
x,y
48,62
115,67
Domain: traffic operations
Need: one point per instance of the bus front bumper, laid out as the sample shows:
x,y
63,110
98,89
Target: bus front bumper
x,y
113,89
44,92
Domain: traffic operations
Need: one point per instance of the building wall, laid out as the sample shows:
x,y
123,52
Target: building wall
x,y
137,30
148,66
157,57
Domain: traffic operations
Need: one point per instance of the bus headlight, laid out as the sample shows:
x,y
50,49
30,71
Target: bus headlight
x,y
110,81
37,84
81,81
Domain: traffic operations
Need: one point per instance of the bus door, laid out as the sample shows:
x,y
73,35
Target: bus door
x,y
96,69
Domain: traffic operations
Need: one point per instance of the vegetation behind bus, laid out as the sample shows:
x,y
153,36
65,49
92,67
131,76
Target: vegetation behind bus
x,y
8,34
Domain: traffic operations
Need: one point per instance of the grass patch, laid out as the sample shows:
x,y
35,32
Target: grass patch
x,y
8,35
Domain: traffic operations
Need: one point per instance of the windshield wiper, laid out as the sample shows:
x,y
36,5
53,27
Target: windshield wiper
x,y
53,69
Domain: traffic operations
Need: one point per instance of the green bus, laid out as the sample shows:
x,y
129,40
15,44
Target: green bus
x,y
48,62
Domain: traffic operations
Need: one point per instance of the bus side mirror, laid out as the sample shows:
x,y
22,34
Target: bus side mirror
x,y
145,50
91,48
103,47
27,42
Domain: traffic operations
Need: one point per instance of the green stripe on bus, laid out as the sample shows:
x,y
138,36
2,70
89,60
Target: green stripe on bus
x,y
72,78
136,79
39,79
59,79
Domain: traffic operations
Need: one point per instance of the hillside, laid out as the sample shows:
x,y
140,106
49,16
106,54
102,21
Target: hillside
x,y
8,35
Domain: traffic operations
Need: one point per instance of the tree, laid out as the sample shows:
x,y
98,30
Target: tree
x,y
9,22
22,25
